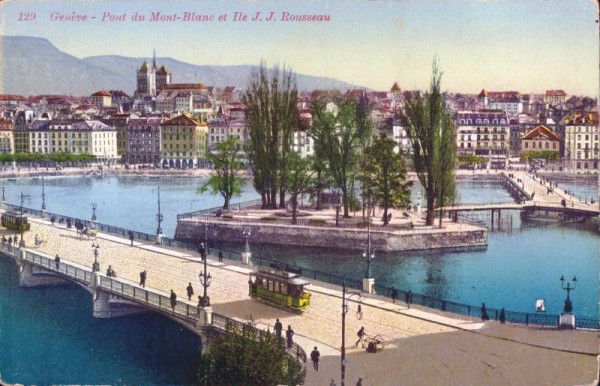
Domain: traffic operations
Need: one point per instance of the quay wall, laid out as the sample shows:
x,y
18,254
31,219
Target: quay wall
x,y
344,239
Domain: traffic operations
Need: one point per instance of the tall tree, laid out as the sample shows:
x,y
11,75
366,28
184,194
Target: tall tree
x,y
298,179
429,125
271,116
227,160
386,173
340,132
243,358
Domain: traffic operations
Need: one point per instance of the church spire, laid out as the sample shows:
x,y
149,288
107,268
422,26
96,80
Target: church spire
x,y
154,58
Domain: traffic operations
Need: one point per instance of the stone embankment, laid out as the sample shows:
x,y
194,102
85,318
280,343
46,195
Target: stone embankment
x,y
452,235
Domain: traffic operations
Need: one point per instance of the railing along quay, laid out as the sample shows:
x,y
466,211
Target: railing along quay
x,y
332,278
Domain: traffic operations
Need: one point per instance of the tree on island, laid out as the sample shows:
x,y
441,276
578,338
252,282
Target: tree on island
x,y
431,130
271,117
340,130
385,175
299,179
243,358
227,160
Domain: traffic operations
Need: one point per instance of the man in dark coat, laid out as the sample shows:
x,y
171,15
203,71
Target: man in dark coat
x,y
314,356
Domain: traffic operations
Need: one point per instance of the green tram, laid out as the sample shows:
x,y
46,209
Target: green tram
x,y
282,288
15,222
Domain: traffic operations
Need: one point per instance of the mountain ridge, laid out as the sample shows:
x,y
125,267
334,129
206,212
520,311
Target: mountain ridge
x,y
33,66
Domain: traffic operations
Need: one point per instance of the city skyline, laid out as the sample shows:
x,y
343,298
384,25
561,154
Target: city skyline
x,y
528,46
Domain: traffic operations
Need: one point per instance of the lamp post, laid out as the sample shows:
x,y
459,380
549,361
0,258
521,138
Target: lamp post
x,y
368,254
159,218
23,197
43,194
345,309
3,198
246,233
568,304
205,280
94,206
96,265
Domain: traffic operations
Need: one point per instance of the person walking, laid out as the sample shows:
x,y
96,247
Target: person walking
x,y
57,261
314,356
202,251
484,314
220,257
332,383
173,300
190,291
289,336
143,279
502,316
361,336
359,382
278,329
394,294
408,298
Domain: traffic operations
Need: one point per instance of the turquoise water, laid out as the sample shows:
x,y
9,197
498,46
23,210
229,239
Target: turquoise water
x,y
48,335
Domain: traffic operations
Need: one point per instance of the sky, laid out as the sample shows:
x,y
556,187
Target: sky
x,y
524,45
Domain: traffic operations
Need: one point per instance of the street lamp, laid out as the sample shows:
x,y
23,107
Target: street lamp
x,y
345,309
368,254
3,199
246,233
96,265
159,216
94,206
205,280
23,197
43,194
568,304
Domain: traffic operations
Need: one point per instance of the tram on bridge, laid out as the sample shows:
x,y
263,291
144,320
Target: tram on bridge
x,y
281,288
15,221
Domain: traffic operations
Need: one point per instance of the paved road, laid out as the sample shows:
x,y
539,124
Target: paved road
x,y
421,346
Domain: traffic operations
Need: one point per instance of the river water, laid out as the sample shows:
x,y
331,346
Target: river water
x,y
48,335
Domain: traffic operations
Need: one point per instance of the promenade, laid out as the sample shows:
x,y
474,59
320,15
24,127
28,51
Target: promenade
x,y
421,346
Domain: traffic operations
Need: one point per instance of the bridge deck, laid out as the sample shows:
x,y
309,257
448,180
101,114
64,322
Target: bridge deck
x,y
426,342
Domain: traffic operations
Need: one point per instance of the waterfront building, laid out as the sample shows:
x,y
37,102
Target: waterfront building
x,y
119,122
102,99
485,133
555,97
184,142
221,127
7,140
78,136
143,141
541,138
581,142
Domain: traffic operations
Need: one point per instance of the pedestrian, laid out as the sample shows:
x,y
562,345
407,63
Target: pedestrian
x,y
109,271
278,329
484,315
361,336
289,335
131,237
220,257
143,279
190,291
173,300
314,356
359,382
202,251
408,298
10,240
394,294
502,316
4,239
57,261
332,383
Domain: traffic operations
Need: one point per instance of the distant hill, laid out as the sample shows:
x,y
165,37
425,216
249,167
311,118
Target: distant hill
x,y
33,65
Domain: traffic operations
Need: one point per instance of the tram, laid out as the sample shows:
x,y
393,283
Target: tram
x,y
15,222
282,288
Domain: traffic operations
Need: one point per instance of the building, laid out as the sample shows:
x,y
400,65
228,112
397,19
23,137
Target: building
x,y
581,142
7,139
102,99
541,138
77,136
119,122
184,142
485,133
507,101
555,97
143,141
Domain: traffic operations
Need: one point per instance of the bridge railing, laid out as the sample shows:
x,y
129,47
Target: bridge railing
x,y
212,211
223,323
538,318
68,270
151,299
